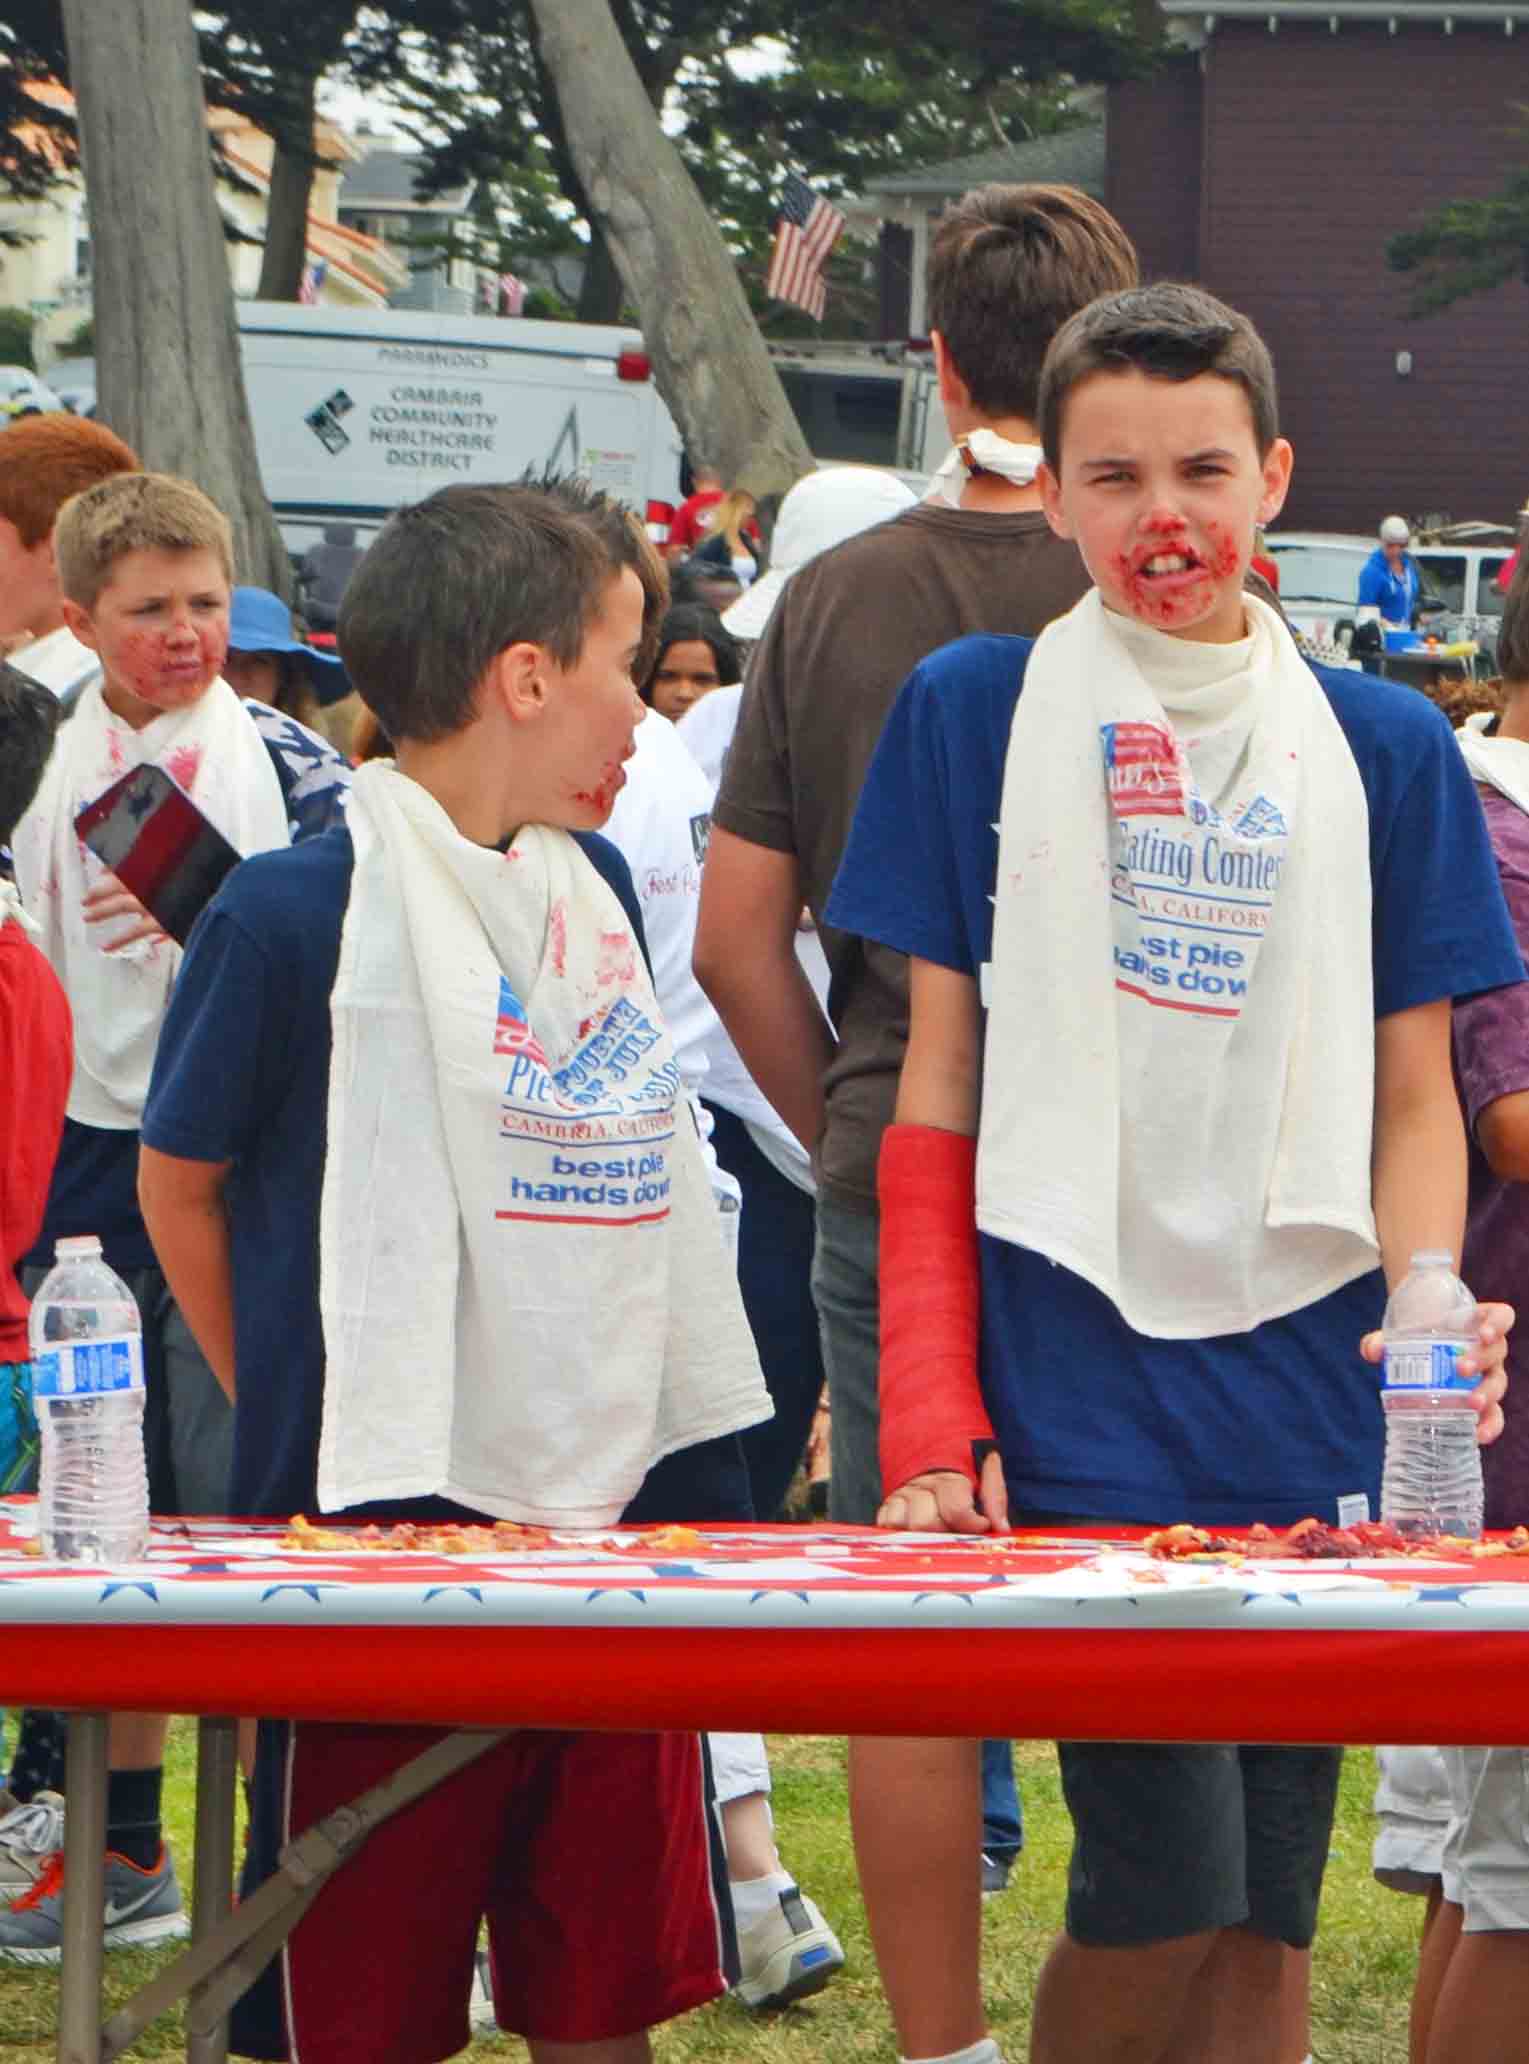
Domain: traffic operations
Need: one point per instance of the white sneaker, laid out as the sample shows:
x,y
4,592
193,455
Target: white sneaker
x,y
28,1836
788,1954
480,2007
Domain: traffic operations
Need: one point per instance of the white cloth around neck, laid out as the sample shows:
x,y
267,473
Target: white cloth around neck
x,y
1500,763
525,1297
1179,1074
1018,464
118,999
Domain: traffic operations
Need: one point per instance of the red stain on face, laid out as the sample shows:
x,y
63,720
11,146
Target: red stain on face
x,y
160,625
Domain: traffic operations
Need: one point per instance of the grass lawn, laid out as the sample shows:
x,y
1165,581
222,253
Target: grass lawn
x,y
1362,1976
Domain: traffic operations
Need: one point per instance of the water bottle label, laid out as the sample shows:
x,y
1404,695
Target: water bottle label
x,y
1424,1365
89,1368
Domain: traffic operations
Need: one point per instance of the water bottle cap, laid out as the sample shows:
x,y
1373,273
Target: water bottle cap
x,y
82,1248
1433,1257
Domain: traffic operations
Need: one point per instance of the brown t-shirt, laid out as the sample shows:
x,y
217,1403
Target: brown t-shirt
x,y
847,631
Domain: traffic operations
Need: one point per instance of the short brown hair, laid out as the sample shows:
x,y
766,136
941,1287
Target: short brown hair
x,y
627,544
1513,631
134,512
1170,332
46,459
1008,265
450,582
29,716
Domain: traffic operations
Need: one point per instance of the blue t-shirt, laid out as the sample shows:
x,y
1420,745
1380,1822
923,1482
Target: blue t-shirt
x,y
1092,1418
95,1178
242,1075
1393,592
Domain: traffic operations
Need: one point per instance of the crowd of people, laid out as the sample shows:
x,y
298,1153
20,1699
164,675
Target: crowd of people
x,y
1080,1193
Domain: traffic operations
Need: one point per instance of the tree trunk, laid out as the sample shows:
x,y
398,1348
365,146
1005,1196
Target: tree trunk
x,y
170,378
286,221
708,356
602,294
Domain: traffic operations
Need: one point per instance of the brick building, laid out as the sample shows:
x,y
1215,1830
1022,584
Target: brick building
x,y
1273,159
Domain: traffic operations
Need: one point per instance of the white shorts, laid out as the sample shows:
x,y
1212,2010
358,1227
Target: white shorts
x,y
1413,1806
1486,1855
738,1766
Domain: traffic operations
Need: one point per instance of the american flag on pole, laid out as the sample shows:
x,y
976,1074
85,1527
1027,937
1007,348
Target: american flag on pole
x,y
313,278
807,231
512,294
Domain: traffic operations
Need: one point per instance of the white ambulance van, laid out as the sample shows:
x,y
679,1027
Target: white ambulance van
x,y
359,411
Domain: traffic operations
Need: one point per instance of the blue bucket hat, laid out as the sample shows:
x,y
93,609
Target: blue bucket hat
x,y
259,621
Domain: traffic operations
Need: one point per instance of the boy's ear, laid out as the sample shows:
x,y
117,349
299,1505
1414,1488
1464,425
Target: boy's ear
x,y
1278,463
518,680
77,621
954,392
1051,500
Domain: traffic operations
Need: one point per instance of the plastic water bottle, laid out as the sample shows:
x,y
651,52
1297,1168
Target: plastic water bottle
x,y
87,1382
1432,1478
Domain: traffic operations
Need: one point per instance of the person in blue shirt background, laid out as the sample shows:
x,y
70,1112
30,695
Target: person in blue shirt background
x,y
1389,581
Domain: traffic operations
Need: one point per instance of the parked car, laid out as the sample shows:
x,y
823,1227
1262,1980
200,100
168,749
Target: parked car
x,y
23,394
73,380
1319,583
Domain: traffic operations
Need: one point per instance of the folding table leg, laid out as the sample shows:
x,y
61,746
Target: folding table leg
x,y
217,1772
84,1904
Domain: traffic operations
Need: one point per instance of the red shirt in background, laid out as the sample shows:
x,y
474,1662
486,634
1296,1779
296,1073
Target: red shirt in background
x,y
36,1064
687,529
1266,564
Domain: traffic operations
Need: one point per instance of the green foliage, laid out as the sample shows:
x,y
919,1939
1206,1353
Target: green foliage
x,y
1469,247
16,338
81,343
854,92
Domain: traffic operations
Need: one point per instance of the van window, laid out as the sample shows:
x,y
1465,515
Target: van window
x,y
1490,597
1318,573
1443,577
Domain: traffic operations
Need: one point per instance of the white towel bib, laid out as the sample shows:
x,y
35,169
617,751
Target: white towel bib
x,y
525,1296
1179,1076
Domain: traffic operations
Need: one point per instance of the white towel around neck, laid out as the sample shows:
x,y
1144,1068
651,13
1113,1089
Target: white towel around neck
x,y
118,999
525,1296
1018,464
1179,1073
1500,763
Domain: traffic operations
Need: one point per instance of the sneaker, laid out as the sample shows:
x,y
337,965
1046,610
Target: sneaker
x,y
480,2006
788,1954
996,1871
142,1907
28,1836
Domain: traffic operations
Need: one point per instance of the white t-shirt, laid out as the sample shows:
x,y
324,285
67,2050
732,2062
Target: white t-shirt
x,y
60,662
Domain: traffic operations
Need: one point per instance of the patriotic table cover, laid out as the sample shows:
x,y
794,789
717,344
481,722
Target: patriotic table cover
x,y
800,1628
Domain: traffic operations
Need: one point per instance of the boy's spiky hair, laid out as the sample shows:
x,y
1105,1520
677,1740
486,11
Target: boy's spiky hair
x,y
134,512
1170,332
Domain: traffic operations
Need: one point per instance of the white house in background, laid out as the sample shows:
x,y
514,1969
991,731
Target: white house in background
x,y
436,239
348,269
50,272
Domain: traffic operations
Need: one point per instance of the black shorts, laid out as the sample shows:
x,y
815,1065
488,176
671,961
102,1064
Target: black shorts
x,y
1171,1839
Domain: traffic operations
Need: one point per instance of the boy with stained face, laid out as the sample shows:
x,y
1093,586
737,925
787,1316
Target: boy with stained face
x,y
1177,1103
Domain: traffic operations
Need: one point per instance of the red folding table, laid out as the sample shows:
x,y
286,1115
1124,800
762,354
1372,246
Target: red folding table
x,y
792,1630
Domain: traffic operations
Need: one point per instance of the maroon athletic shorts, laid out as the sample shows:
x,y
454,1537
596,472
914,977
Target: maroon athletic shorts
x,y
587,1853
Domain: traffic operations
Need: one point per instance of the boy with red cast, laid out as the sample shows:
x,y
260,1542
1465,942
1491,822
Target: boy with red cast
x,y
1135,1197
422,1276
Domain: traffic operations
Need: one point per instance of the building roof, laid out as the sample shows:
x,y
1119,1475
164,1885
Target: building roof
x,y
1072,157
386,178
